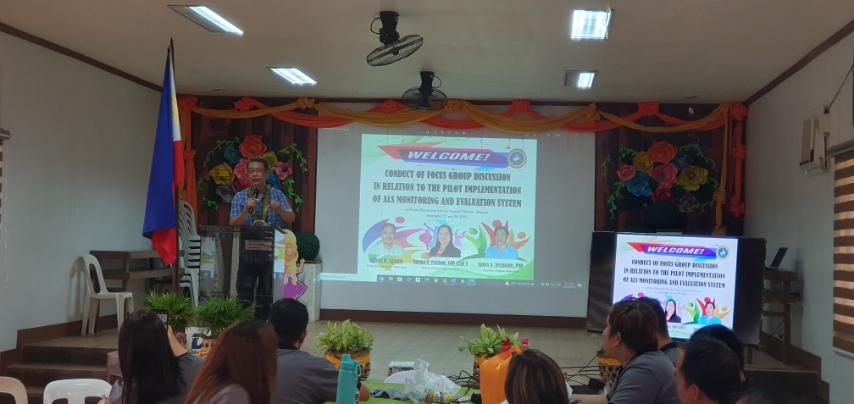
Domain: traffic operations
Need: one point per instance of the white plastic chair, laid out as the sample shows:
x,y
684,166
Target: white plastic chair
x,y
75,390
13,386
91,304
191,244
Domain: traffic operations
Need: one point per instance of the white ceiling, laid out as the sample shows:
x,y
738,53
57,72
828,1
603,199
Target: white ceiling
x,y
661,50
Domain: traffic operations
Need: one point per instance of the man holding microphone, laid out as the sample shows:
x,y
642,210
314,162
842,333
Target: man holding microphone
x,y
258,205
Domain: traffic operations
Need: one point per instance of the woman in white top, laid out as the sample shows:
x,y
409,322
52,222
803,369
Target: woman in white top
x,y
240,369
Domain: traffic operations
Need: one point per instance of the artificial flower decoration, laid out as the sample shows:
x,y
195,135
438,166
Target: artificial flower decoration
x,y
283,170
643,162
221,174
227,169
252,146
626,172
226,192
662,152
691,178
662,194
271,158
231,154
688,203
639,185
663,173
241,172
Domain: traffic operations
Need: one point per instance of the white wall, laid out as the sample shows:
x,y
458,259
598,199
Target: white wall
x,y
75,178
790,209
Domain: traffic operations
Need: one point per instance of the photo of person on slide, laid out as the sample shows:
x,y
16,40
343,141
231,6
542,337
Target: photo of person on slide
x,y
500,250
670,312
708,317
444,245
387,247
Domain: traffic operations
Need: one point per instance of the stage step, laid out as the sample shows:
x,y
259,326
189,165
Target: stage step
x,y
793,385
66,355
40,374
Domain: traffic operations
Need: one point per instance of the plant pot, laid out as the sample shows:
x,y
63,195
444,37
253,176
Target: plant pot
x,y
478,360
364,359
608,369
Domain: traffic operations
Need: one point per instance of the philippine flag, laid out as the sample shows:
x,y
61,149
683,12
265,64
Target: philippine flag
x,y
167,171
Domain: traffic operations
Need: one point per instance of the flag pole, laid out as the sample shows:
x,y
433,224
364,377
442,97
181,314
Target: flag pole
x,y
176,190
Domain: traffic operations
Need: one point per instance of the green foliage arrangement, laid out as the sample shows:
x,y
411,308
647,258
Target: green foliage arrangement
x,y
344,337
178,307
217,313
308,245
488,343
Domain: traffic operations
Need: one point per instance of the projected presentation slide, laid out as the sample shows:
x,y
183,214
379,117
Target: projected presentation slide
x,y
447,207
693,278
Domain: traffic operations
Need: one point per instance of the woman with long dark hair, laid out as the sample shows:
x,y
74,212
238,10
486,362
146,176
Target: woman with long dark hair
x,y
532,378
155,367
445,243
240,369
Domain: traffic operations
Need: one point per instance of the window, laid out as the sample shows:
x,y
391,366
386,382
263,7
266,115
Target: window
x,y
843,252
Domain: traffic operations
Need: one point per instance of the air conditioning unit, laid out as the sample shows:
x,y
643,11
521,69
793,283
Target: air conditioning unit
x,y
813,145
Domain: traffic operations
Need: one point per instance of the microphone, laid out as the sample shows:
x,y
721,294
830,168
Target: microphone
x,y
255,193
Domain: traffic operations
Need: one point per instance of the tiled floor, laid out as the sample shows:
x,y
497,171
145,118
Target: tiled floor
x,y
437,344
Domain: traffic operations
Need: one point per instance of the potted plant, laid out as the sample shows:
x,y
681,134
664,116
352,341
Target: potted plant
x,y
217,313
178,307
346,337
487,344
308,245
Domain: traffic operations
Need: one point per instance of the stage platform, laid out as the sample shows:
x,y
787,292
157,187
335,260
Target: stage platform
x,y
86,356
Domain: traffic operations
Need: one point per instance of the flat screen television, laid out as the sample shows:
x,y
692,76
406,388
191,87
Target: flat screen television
x,y
698,280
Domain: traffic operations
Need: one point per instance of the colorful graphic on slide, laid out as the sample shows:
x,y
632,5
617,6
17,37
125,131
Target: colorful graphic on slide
x,y
447,207
693,278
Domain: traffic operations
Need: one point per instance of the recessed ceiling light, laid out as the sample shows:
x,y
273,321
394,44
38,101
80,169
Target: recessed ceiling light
x,y
581,79
208,19
585,80
294,76
589,24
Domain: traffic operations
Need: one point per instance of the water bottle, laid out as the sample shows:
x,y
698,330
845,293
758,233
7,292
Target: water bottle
x,y
348,376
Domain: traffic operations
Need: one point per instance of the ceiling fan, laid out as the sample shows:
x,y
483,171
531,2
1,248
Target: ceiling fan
x,y
394,47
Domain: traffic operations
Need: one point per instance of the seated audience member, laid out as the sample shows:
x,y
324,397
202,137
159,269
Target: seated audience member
x,y
240,369
725,335
708,373
301,378
535,378
665,344
155,367
647,377
728,337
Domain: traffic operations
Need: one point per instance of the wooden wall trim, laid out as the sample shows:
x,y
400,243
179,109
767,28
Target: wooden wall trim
x,y
49,332
453,318
800,64
76,55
